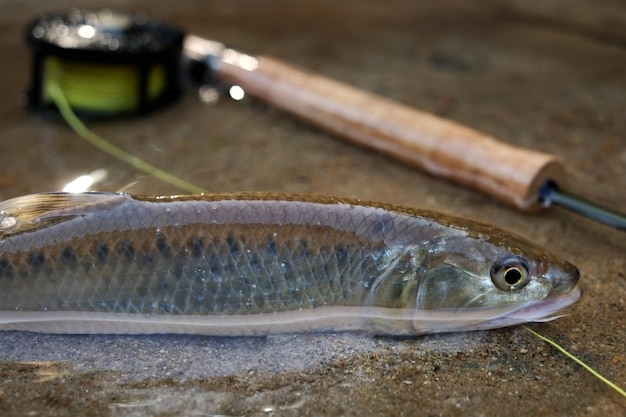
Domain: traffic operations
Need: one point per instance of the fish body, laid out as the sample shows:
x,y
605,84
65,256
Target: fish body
x,y
247,264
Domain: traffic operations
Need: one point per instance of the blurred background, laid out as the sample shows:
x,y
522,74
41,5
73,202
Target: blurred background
x,y
548,76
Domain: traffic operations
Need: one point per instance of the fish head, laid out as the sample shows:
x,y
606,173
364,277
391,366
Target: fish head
x,y
486,279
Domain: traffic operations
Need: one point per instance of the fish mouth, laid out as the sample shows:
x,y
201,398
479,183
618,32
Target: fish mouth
x,y
543,310
536,311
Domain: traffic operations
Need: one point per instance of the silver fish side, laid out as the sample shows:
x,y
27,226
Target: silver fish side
x,y
263,263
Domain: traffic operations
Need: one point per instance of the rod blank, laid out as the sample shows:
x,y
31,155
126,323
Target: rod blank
x,y
551,194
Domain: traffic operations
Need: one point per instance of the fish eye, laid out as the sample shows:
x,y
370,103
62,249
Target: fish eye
x,y
510,273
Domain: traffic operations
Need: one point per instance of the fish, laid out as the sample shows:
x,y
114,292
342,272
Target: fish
x,y
240,264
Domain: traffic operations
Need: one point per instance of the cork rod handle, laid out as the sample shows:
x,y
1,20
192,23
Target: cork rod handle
x,y
435,145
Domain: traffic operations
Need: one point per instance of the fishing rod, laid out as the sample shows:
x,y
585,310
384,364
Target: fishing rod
x,y
146,55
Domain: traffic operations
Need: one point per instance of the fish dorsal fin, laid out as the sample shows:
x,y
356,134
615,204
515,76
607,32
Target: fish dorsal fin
x,y
33,211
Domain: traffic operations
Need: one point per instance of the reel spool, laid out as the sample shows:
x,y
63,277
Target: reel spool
x,y
106,63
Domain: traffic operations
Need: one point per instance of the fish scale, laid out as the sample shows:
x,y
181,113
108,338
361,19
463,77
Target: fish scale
x,y
260,263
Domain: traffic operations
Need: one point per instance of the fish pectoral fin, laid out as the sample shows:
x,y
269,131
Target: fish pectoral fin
x,y
33,211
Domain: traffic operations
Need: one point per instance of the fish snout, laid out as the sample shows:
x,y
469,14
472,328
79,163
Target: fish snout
x,y
564,278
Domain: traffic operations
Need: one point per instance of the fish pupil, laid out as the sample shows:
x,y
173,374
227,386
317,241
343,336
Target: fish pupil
x,y
512,276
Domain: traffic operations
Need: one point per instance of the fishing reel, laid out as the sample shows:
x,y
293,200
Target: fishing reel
x,y
106,63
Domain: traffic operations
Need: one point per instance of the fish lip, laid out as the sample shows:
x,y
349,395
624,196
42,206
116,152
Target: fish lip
x,y
543,309
537,311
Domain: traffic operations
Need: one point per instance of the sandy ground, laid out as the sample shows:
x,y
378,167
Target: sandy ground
x,y
550,78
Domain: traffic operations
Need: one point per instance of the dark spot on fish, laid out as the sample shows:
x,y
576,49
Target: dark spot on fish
x,y
68,255
101,252
36,259
146,259
233,245
6,268
195,246
127,249
271,246
177,269
256,264
162,245
215,266
341,253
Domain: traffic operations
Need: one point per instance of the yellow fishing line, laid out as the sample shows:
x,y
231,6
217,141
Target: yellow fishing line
x,y
588,368
101,88
56,94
